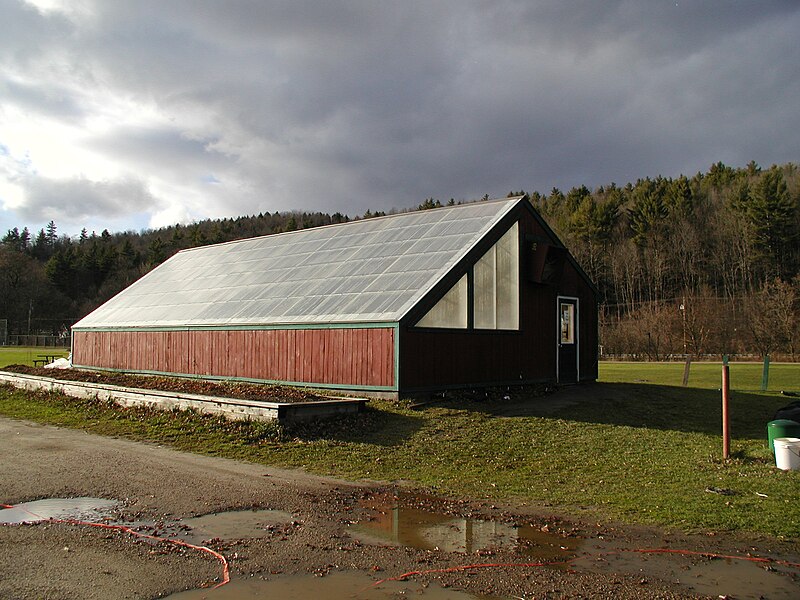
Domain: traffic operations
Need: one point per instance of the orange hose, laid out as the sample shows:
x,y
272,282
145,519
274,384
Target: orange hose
x,y
225,570
405,576
226,573
226,577
757,559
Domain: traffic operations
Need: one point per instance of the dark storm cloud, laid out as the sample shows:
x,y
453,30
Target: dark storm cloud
x,y
78,199
152,148
355,105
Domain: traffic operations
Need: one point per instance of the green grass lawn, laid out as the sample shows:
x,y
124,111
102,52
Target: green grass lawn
x,y
706,375
624,449
24,355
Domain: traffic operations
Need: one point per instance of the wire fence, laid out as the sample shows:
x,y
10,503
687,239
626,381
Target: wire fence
x,y
44,341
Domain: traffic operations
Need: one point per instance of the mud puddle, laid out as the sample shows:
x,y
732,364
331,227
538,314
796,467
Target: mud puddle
x,y
428,530
702,575
349,585
75,509
233,525
228,526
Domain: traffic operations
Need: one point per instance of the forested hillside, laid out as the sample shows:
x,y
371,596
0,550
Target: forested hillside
x,y
703,265
47,281
707,264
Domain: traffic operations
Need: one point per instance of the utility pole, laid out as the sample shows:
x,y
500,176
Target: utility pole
x,y
683,316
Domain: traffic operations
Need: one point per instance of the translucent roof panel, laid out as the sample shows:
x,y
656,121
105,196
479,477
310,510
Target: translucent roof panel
x,y
363,271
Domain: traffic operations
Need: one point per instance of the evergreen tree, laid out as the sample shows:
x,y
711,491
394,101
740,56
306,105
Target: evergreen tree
x,y
62,271
772,216
51,233
41,248
24,239
127,255
429,203
714,237
11,239
680,198
720,175
649,213
156,252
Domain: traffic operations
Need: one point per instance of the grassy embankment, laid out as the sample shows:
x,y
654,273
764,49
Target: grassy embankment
x,y
640,451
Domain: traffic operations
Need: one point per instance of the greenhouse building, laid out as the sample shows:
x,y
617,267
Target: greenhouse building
x,y
473,295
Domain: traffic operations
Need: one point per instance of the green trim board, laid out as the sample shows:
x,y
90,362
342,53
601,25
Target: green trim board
x,y
304,384
397,357
354,325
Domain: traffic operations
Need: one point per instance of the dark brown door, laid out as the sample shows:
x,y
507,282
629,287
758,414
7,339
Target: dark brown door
x,y
567,340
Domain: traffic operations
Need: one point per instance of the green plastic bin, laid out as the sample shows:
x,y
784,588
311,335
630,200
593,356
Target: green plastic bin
x,y
781,428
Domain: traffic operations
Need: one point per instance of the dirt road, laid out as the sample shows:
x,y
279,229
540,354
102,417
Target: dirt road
x,y
156,484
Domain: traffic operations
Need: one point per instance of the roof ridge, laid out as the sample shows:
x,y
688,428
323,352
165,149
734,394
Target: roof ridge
x,y
353,222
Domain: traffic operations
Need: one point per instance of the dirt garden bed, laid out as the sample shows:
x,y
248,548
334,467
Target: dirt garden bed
x,y
224,389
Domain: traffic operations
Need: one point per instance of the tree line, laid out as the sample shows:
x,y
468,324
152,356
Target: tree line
x,y
708,264
49,281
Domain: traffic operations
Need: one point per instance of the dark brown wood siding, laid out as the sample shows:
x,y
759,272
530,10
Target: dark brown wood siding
x,y
573,285
341,356
431,358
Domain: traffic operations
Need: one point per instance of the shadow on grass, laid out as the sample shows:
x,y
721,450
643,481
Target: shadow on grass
x,y
647,406
372,426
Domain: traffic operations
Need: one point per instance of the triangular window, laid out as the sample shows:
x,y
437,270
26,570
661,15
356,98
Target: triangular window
x,y
495,291
451,310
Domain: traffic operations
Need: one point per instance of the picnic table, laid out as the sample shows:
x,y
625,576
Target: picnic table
x,y
45,359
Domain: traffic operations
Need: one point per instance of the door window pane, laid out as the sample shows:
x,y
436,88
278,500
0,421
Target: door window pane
x,y
567,323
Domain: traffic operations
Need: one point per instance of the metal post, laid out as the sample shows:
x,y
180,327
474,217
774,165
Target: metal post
x,y
686,370
726,429
682,308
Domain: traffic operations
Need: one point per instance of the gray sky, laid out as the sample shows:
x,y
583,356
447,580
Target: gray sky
x,y
131,114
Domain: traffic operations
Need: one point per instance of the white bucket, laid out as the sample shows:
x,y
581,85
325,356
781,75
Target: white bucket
x,y
787,453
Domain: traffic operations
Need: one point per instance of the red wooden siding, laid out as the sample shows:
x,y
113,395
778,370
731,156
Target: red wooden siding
x,y
346,356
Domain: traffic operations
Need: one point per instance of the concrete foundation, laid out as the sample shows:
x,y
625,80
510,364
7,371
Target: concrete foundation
x,y
231,408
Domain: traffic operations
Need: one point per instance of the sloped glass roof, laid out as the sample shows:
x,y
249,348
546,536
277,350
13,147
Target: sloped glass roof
x,y
373,270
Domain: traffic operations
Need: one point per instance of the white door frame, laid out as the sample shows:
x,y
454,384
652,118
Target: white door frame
x,y
576,333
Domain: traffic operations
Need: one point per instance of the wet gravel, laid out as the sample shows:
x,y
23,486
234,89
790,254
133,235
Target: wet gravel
x,y
156,484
